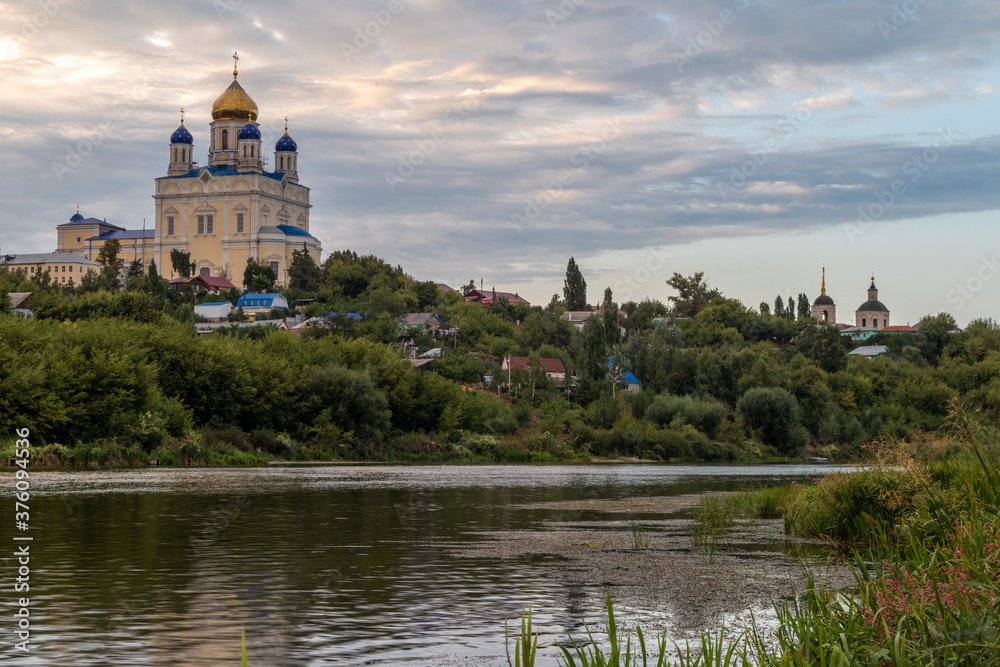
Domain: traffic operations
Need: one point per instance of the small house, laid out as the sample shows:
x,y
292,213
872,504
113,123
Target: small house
x,y
216,310
261,303
554,368
870,351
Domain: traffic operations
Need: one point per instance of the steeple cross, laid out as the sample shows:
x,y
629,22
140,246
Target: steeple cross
x,y
182,115
236,60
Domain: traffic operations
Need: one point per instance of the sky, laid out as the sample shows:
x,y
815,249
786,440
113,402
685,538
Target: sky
x,y
756,141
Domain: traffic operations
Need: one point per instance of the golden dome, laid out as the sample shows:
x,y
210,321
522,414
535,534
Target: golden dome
x,y
234,104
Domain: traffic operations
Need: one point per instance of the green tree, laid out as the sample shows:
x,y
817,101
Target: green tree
x,y
775,414
764,308
134,270
935,330
595,348
790,309
303,274
427,294
574,287
609,313
779,307
827,348
804,309
258,277
112,263
693,293
180,261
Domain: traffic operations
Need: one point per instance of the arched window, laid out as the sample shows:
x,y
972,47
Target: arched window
x,y
175,155
282,160
205,271
244,151
251,151
875,323
225,140
864,322
826,316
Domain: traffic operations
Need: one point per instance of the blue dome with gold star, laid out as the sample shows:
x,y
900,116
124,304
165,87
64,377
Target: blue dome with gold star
x,y
181,136
249,131
286,143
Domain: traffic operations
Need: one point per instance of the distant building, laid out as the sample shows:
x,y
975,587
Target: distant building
x,y
577,317
824,310
261,303
872,314
211,284
217,310
19,303
489,297
870,351
554,368
421,322
87,236
63,266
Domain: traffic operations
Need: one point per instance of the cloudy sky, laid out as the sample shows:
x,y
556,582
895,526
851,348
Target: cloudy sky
x,y
754,140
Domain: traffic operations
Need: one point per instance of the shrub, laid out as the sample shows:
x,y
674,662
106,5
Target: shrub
x,y
775,413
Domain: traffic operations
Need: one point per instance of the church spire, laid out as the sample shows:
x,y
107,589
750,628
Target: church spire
x,y
236,60
822,290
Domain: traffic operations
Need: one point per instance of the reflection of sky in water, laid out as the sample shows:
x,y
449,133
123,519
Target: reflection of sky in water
x,y
333,564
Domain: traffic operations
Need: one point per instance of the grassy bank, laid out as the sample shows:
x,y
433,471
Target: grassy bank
x,y
930,595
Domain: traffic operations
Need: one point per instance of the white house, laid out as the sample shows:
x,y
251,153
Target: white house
x,y
217,310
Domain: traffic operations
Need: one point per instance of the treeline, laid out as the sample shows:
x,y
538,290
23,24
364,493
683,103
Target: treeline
x,y
720,381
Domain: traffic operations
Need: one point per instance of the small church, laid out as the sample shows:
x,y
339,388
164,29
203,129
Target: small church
x,y
871,315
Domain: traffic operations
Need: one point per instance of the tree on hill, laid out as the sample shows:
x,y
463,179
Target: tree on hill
x,y
181,262
693,293
609,313
804,309
258,277
575,287
303,274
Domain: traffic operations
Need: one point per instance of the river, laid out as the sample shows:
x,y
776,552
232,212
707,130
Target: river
x,y
380,565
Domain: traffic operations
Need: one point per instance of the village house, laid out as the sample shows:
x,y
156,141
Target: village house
x,y
489,297
261,303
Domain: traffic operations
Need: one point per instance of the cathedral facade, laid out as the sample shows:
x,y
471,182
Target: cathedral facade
x,y
225,213
233,209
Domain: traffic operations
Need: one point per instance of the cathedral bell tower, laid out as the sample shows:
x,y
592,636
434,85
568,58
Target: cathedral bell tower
x,y
181,144
286,156
232,111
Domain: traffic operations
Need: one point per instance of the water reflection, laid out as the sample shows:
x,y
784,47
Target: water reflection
x,y
347,564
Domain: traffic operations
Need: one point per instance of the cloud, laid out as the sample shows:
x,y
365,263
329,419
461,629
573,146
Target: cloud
x,y
488,111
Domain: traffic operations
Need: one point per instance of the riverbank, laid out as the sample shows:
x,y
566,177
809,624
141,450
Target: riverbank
x,y
926,588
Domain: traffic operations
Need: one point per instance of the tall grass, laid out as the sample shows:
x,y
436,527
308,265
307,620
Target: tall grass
x,y
640,540
926,592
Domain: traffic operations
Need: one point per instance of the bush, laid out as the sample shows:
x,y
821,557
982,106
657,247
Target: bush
x,y
775,414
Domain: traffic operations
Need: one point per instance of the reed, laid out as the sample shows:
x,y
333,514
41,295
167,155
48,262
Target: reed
x,y
640,541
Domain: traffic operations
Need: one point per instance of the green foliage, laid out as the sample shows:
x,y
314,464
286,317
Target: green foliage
x,y
774,413
258,277
693,293
180,261
574,287
303,274
609,314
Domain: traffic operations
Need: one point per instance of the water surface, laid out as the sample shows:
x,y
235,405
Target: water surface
x,y
373,565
